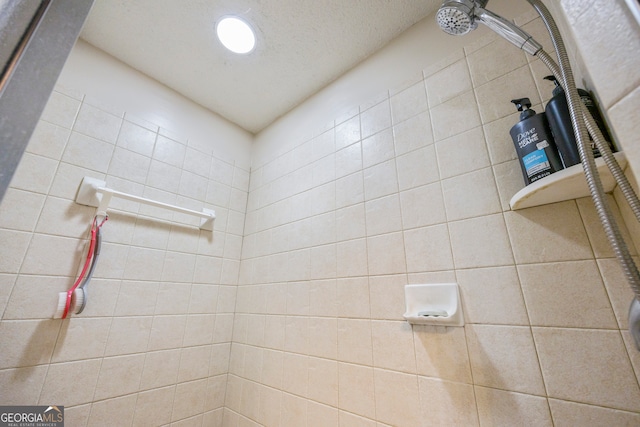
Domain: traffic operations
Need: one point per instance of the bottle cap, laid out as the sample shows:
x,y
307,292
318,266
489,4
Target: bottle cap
x,y
558,89
524,105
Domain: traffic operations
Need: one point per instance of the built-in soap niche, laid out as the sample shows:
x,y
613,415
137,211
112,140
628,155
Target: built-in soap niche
x,y
435,304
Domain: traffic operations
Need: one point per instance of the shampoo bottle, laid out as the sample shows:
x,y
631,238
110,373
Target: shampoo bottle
x,y
534,145
557,112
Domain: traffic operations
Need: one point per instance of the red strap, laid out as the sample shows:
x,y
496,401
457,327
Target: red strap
x,y
92,247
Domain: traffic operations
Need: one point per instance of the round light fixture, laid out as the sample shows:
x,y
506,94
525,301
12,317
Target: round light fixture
x,y
236,35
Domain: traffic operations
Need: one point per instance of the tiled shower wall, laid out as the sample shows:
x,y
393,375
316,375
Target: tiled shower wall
x,y
413,187
152,346
607,57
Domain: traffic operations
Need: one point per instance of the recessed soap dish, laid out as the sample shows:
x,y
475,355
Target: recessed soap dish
x,y
433,304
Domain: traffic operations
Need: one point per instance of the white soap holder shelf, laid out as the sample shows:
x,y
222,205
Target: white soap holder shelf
x,y
435,304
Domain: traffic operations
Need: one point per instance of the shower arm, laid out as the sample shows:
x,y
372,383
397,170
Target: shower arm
x,y
508,30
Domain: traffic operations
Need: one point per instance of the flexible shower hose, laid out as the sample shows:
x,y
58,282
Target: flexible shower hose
x,y
564,74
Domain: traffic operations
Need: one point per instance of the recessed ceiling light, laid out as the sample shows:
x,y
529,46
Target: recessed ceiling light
x,y
236,35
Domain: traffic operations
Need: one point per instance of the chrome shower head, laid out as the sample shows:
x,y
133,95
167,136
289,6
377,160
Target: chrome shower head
x,y
456,17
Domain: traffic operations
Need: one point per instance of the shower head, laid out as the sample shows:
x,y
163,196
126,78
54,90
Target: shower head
x,y
458,17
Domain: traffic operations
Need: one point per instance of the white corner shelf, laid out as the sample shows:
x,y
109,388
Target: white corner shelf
x,y
564,185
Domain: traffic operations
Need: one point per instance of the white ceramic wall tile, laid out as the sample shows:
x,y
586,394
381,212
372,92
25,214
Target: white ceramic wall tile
x,y
397,398
194,363
619,292
386,254
354,341
470,239
409,102
393,346
597,42
35,173
441,352
353,297
377,148
448,83
505,408
557,226
57,382
76,345
32,380
128,335
169,151
417,168
61,110
504,357
323,380
413,133
386,294
597,237
39,259
494,98
88,152
167,332
567,414
97,123
349,419
347,132
383,215
102,411
66,218
462,153
572,361
154,406
356,389
375,119
349,190
136,138
42,335
67,180
348,160
492,296
494,60
451,58
119,375
422,206
509,180
557,294
457,115
626,127
34,297
428,249
499,143
20,209
48,140
189,399
447,403
380,180
471,195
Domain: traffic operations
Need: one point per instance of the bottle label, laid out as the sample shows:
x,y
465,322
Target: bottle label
x,y
536,162
528,137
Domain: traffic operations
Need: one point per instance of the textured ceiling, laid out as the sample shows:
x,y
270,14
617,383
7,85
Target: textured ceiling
x,y
303,45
